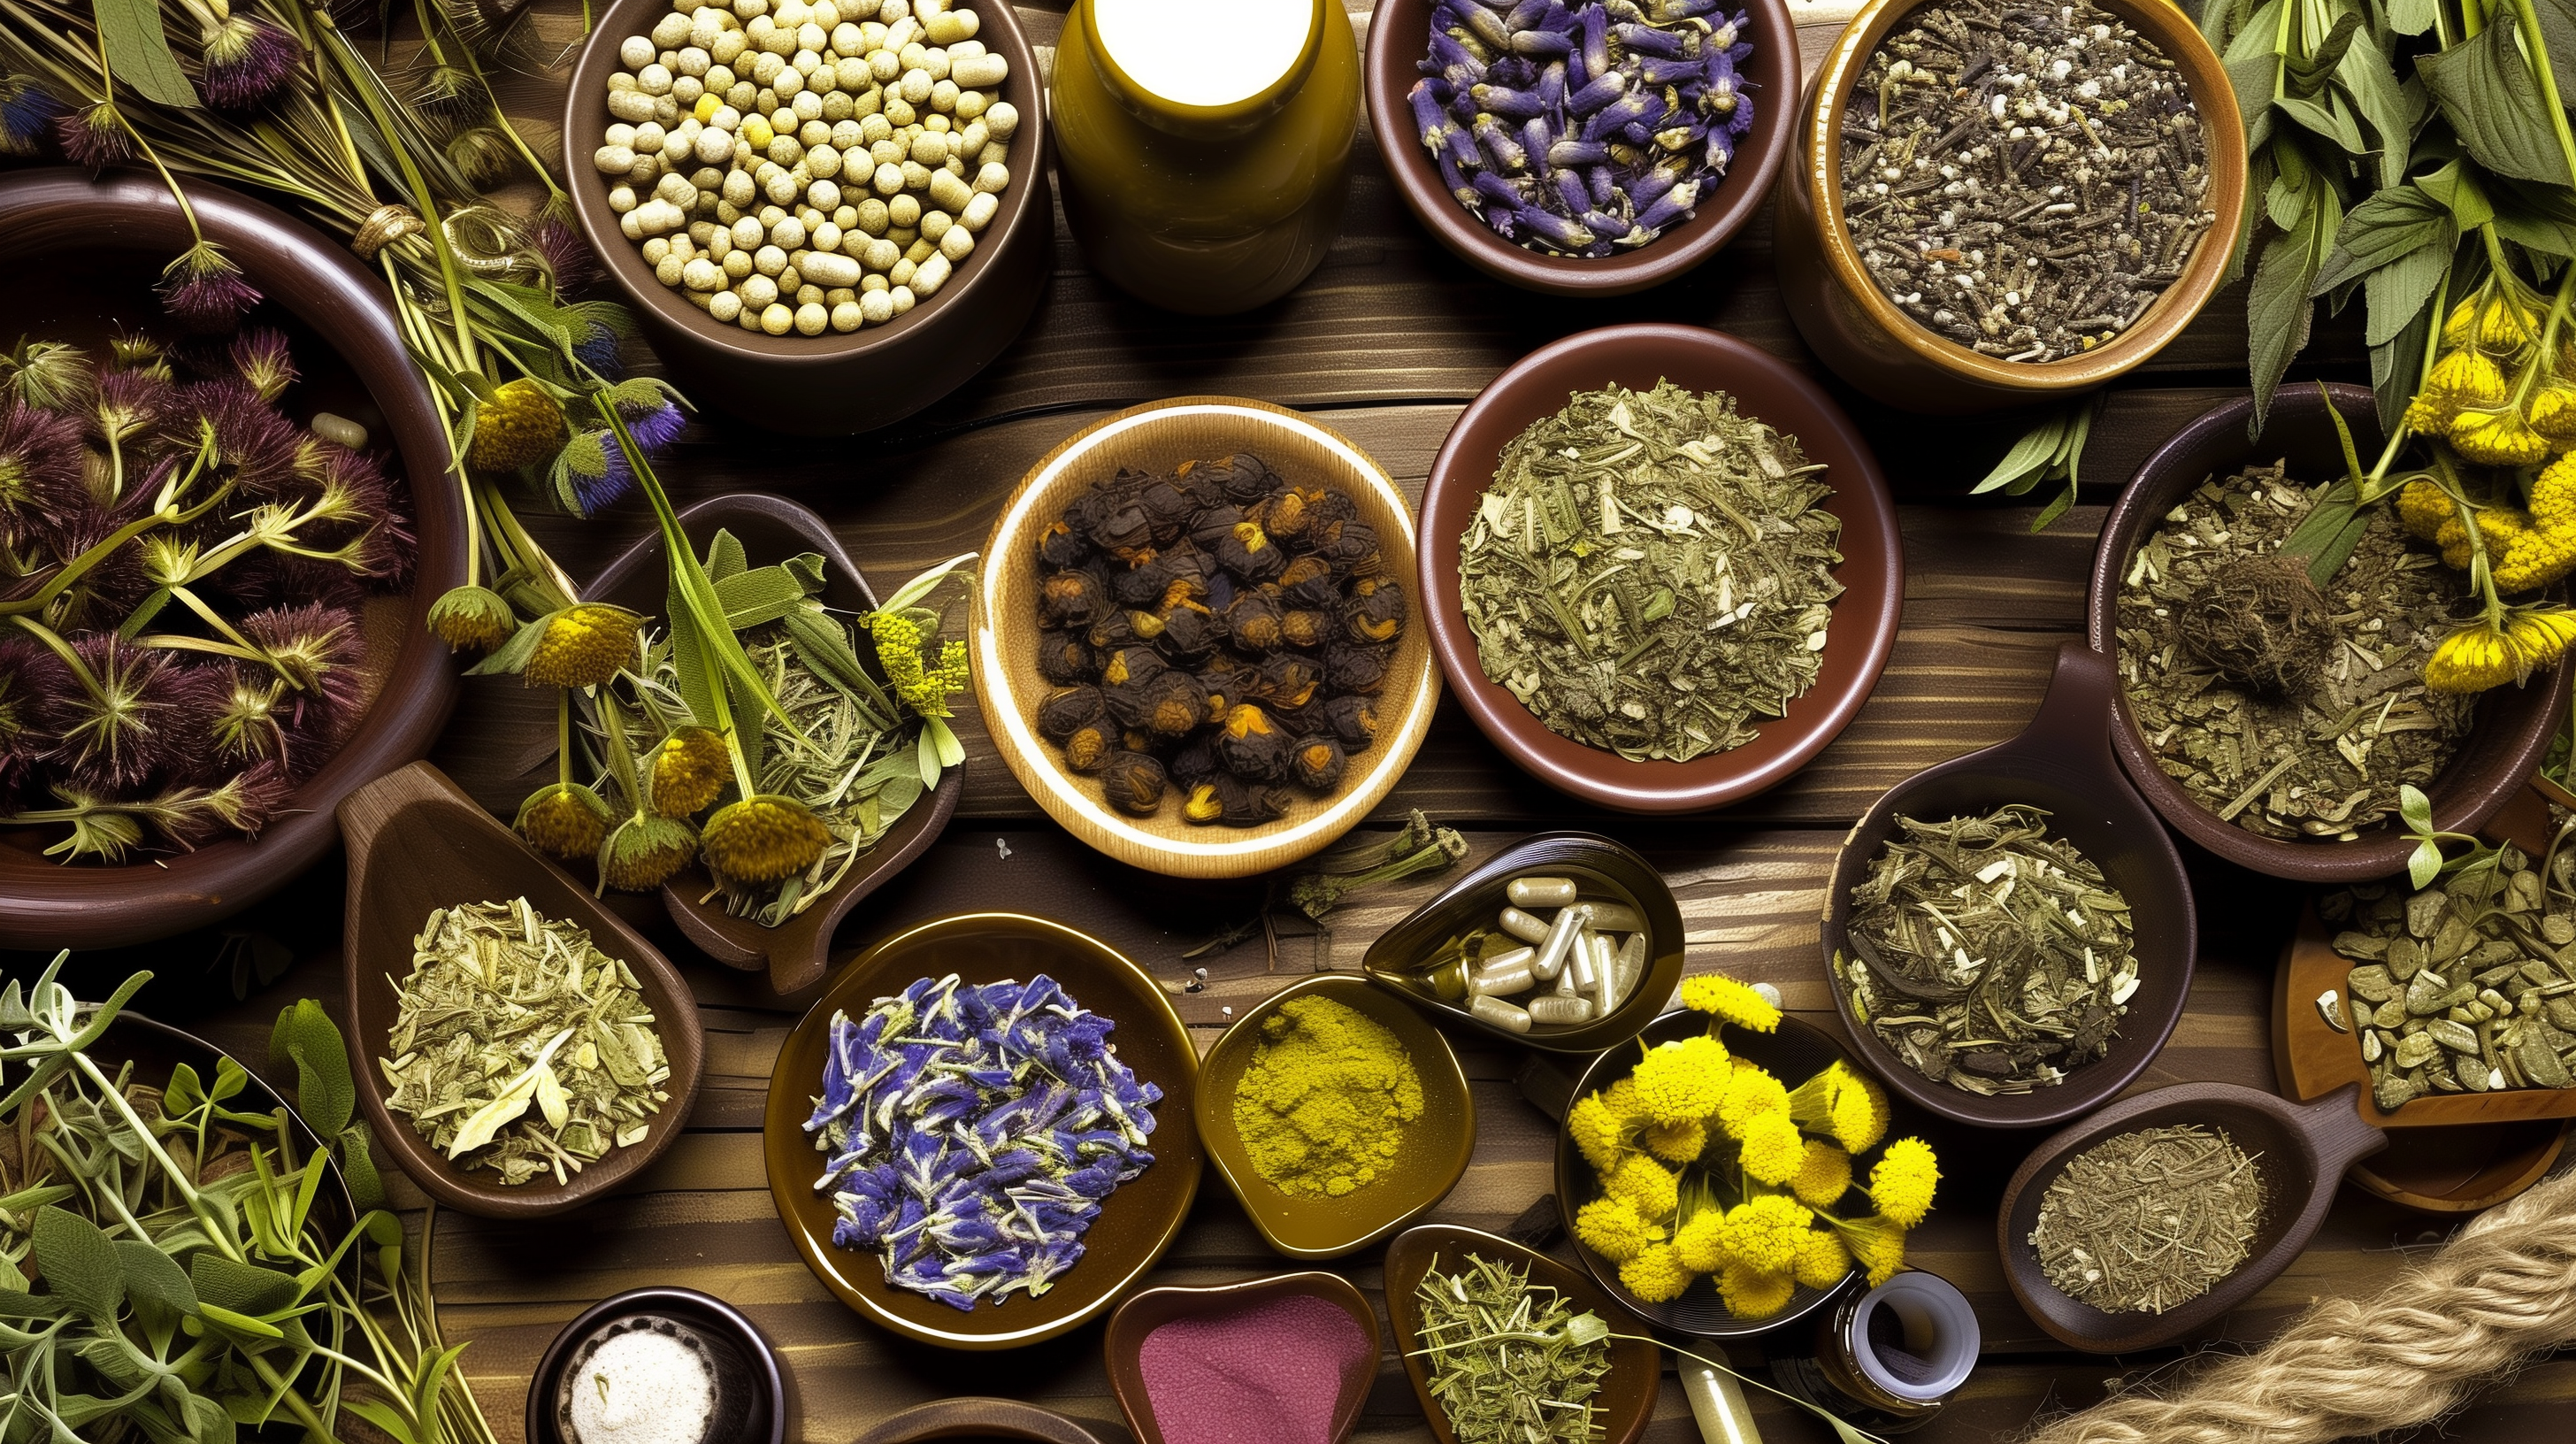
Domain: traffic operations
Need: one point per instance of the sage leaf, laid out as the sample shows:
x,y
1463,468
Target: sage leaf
x,y
2456,186
2486,90
206,1420
725,559
2327,118
2542,218
241,1288
151,1274
79,1263
325,1094
2412,17
511,657
2558,33
764,594
138,51
2305,76
358,1167
2277,308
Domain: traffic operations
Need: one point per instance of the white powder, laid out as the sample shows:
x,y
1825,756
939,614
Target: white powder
x,y
642,1387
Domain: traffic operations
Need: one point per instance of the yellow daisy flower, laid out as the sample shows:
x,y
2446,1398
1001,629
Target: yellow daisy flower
x,y
1682,1080
1750,1093
1762,1233
2466,379
1902,1183
1822,1259
1773,1149
1729,1001
2483,655
1655,1274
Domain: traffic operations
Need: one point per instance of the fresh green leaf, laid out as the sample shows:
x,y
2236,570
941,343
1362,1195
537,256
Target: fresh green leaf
x,y
325,1094
433,1373
2456,186
207,1422
244,1288
130,32
2558,33
2251,64
2413,17
511,657
725,559
383,1416
2487,92
2029,458
151,1274
761,595
358,1168
238,1326
79,1263
2392,110
2277,308
2425,865
2306,74
2328,118
2415,810
2385,227
2541,218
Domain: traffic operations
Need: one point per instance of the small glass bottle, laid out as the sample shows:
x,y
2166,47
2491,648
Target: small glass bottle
x,y
1205,145
1887,1358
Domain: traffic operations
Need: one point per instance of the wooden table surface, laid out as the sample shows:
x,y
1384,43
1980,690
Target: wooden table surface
x,y
1387,341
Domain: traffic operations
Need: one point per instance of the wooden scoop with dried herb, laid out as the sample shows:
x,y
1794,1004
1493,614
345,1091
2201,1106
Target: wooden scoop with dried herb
x,y
520,1047
1651,572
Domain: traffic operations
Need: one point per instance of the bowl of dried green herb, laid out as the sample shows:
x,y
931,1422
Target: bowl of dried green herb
x,y
2285,747
2010,935
1754,580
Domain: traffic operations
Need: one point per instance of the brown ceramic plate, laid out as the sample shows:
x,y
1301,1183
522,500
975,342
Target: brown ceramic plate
x,y
1627,1398
1435,1150
2465,1168
1872,572
751,1394
418,843
832,384
1156,437
1139,1317
1399,36
2302,1151
1136,1223
1796,1052
2513,725
797,953
2062,763
1598,865
98,242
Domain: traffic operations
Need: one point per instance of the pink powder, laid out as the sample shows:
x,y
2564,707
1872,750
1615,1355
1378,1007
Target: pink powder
x,y
1270,1374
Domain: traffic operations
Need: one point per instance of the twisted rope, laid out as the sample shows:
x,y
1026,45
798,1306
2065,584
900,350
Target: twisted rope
x,y
2501,1290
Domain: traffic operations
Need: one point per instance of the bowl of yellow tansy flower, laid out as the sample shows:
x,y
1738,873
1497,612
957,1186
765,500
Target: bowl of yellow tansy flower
x,y
1713,1175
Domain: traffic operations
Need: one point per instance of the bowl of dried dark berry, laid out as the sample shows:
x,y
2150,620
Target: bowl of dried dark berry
x,y
1193,642
1992,203
1583,147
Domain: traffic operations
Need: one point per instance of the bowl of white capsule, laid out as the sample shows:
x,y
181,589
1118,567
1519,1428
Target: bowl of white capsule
x,y
828,214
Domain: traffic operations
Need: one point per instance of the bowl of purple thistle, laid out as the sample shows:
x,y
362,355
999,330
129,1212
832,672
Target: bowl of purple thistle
x,y
214,567
1583,147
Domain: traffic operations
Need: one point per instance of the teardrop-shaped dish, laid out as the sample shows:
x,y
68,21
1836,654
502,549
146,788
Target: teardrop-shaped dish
x,y
1636,1366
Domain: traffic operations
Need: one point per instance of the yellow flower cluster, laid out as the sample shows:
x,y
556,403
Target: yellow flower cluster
x,y
1711,1168
2492,393
2509,648
2526,548
924,686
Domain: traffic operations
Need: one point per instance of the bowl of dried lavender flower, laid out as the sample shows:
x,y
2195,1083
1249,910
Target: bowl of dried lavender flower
x,y
2285,747
213,571
1576,151
1984,212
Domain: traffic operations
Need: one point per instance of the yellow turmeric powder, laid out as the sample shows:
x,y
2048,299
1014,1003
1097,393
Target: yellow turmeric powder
x,y
1321,1104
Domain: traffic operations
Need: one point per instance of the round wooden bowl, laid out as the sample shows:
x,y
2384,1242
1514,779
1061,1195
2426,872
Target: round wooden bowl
x,y
2062,763
99,242
1475,900
418,843
2302,1151
2513,725
1157,437
1399,35
1861,634
2463,1169
1139,1317
797,952
1627,1397
837,383
751,1392
1868,342
1433,1158
1135,1224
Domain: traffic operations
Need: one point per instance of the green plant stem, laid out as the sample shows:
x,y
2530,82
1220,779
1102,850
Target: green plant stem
x,y
80,566
221,1237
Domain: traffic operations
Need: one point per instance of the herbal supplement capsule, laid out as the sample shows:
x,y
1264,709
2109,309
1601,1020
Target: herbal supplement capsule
x,y
1560,1011
1608,917
1500,1014
1565,939
1526,927
1540,892
1503,975
1629,964
1605,974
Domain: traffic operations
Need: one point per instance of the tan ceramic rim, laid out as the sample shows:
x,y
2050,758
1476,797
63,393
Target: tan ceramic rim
x,y
2222,134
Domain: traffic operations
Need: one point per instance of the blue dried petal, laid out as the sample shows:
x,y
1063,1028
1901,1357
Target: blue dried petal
x,y
1517,104
1570,153
1488,28
1524,14
1503,220
1513,72
1551,89
1669,11
1501,151
1554,229
1657,70
1491,187
1571,193
1542,44
1649,187
1647,40
1673,205
1594,28
1740,119
1451,62
1596,94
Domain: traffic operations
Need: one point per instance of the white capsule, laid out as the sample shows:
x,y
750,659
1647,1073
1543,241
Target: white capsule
x,y
1497,1013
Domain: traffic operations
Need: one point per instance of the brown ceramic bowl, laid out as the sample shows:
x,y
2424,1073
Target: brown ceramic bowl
x,y
1856,330
1435,1150
1399,35
418,843
99,241
1862,632
797,952
1795,1052
2302,1151
751,1393
1136,1223
978,1419
2466,1168
1627,1397
834,384
2513,727
1600,867
2061,763
1139,1317
1008,687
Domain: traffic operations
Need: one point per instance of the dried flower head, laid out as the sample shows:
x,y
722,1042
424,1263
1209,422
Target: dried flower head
x,y
125,404
1903,1181
40,472
564,819
263,358
763,838
47,375
94,137
688,772
644,851
483,156
472,619
590,473
520,425
2493,651
584,645
570,261
107,712
253,443
247,59
27,115
317,650
22,737
451,93
204,291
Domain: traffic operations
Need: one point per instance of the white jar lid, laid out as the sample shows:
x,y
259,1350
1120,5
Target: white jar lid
x,y
1204,52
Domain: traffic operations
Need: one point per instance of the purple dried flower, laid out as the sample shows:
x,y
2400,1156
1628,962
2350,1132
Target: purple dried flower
x,y
254,443
40,472
228,715
109,722
1502,151
1569,153
566,255
1487,27
27,115
595,492
1491,187
263,578
1673,205
204,291
1594,26
1557,230
654,425
1647,40
1499,100
317,650
247,59
1597,93
1551,89
264,360
1551,44
1571,190
94,137
242,803
22,738
127,404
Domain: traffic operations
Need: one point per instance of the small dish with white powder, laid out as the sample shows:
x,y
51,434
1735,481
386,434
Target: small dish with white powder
x,y
657,1366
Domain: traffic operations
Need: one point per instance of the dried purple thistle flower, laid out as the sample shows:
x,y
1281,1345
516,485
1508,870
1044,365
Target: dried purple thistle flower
x,y
229,715
264,578
654,425
22,737
567,257
94,137
264,359
254,443
108,713
317,650
247,59
27,115
615,479
242,803
204,291
40,472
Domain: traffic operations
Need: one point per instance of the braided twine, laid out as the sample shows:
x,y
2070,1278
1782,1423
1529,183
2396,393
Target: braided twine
x,y
2500,1291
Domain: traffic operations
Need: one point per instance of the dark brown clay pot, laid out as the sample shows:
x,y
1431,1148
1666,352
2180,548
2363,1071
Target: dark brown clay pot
x,y
2514,724
834,384
2061,762
797,952
1138,1318
2301,1150
98,242
1868,342
1399,33
1863,630
751,1391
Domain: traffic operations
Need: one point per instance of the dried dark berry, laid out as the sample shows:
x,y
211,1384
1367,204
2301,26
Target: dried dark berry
x,y
1088,749
1357,669
1375,612
1194,762
1254,623
1234,802
1075,597
1066,659
1064,713
1251,745
1129,667
1285,682
1189,633
1113,630
1351,548
1250,554
1213,524
1058,547
1246,478
1353,721
1306,630
1309,582
1169,704
1289,515
1167,510
1317,763
1134,783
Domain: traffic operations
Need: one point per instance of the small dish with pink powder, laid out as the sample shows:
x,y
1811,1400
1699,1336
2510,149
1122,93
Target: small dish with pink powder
x,y
1280,1360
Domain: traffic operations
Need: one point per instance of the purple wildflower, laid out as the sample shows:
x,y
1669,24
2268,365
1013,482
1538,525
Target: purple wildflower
x,y
254,444
654,425
94,137
566,255
317,649
247,59
28,113
204,291
40,472
264,360
110,723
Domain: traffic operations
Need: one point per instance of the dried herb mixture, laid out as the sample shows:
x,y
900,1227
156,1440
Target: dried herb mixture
x,y
1511,1363
2287,711
1988,953
1651,572
2149,1220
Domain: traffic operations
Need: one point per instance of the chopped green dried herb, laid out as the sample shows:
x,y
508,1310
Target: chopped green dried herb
x,y
520,1047
2150,1219
1511,1363
1650,573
